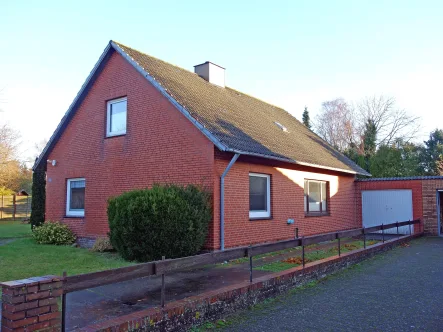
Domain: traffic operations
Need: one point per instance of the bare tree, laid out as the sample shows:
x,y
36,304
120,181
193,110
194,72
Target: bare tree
x,y
336,124
390,122
10,166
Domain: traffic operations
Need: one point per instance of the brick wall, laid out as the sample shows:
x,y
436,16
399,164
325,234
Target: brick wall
x,y
31,304
430,216
161,146
287,199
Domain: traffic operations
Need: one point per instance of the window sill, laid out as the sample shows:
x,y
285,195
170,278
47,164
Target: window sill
x,y
260,218
312,214
74,217
113,136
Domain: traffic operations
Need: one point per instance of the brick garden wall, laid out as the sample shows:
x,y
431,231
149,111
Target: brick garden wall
x,y
31,304
161,146
287,201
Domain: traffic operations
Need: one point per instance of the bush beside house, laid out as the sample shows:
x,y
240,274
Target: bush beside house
x,y
53,233
169,221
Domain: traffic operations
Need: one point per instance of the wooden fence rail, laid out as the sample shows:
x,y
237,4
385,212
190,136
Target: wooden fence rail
x,y
96,279
15,207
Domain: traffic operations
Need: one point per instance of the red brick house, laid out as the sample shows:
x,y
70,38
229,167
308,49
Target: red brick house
x,y
138,121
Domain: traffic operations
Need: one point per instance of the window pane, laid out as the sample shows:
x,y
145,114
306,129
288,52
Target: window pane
x,y
314,196
77,195
258,200
324,196
118,117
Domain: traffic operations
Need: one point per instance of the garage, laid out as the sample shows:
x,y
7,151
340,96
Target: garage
x,y
387,206
386,200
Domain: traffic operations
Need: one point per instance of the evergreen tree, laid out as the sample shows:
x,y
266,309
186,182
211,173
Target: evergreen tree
x,y
432,154
369,142
306,118
38,198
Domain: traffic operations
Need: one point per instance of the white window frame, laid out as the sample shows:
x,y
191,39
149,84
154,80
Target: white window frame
x,y
322,195
108,117
267,212
69,212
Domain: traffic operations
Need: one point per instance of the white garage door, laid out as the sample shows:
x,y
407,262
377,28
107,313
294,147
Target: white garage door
x,y
385,207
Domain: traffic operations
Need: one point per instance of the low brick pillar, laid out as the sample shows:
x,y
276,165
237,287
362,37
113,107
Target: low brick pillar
x,y
32,304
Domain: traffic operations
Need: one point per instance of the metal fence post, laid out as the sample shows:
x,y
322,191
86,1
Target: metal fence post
x,y
296,233
64,306
250,263
409,224
163,287
383,232
397,229
364,237
303,250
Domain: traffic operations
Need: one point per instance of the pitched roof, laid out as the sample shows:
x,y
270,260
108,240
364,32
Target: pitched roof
x,y
235,121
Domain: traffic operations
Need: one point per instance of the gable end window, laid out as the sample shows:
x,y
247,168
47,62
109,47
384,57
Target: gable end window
x,y
116,115
316,197
259,196
75,197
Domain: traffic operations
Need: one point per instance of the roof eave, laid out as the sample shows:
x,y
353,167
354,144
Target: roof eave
x,y
301,163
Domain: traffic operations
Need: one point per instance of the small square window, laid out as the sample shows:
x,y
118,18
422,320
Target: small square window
x,y
116,117
75,197
259,195
316,197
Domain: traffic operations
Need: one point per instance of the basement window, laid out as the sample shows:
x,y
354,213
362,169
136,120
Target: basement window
x,y
116,117
75,197
316,197
259,196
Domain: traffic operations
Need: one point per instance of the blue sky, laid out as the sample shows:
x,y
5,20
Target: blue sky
x,y
289,53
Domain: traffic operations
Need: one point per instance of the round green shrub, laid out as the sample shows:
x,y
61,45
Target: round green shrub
x,y
53,233
169,221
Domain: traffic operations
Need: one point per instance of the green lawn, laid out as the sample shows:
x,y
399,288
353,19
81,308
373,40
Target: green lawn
x,y
24,258
14,229
312,256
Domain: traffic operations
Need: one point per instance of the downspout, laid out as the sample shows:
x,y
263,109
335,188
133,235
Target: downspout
x,y
222,201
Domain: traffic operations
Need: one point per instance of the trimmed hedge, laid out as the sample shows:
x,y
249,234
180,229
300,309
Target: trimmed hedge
x,y
169,221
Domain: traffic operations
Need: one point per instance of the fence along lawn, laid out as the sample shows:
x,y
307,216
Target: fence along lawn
x,y
13,207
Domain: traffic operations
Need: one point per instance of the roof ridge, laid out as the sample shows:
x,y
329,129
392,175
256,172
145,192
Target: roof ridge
x,y
151,56
191,72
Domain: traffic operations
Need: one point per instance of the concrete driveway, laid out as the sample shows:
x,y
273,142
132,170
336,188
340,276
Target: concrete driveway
x,y
401,290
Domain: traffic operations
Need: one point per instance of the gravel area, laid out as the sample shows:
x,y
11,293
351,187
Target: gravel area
x,y
400,290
